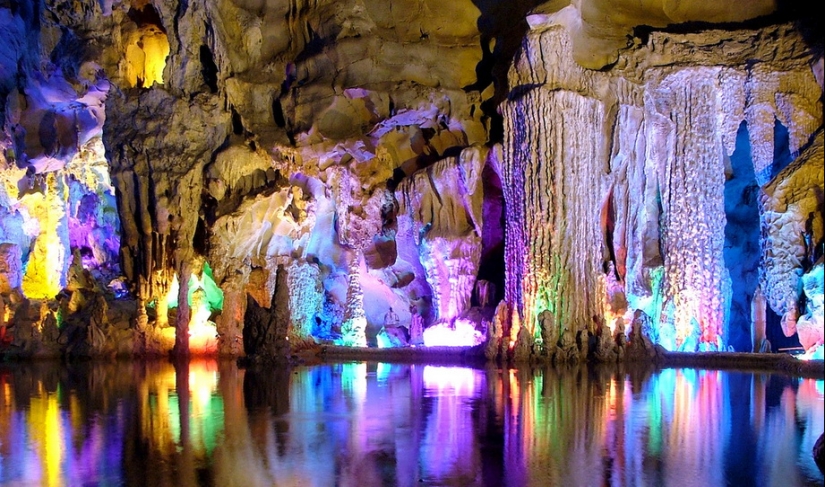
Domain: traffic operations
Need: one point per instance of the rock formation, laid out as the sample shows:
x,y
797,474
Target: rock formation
x,y
608,175
645,149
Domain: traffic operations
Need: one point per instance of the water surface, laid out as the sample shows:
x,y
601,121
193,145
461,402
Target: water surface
x,y
376,424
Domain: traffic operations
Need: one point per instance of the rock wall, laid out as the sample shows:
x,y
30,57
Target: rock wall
x,y
618,176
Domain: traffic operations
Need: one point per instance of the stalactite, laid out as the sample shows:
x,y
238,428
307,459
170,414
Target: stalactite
x,y
693,220
440,208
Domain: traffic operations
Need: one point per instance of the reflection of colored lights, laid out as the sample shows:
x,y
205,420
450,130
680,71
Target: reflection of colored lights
x,y
206,407
383,372
449,447
203,381
163,422
460,381
461,334
388,424
354,379
515,394
45,423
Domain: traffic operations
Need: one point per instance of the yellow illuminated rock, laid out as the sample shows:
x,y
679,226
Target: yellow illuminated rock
x,y
45,270
146,57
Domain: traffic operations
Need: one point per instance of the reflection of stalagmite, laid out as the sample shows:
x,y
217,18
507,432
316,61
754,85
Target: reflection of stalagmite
x,y
237,461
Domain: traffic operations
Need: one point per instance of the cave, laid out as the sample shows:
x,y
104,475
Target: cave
x,y
741,241
441,212
515,184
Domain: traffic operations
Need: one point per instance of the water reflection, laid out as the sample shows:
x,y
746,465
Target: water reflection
x,y
359,424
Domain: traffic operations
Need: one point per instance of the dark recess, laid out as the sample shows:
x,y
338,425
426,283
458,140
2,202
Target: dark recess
x,y
502,23
209,70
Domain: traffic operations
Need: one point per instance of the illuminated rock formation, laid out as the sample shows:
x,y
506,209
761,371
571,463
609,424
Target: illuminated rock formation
x,y
440,220
354,157
643,150
599,29
792,216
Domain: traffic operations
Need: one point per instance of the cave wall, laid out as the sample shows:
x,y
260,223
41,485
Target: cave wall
x,y
615,180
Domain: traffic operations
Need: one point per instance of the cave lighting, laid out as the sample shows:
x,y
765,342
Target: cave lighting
x,y
354,336
46,434
206,407
383,340
45,220
452,381
146,58
817,352
462,333
203,334
204,297
449,447
206,282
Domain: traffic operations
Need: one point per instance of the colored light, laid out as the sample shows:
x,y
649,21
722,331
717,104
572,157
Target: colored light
x,y
146,57
461,334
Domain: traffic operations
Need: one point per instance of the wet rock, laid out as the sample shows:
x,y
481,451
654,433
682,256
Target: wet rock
x,y
265,332
392,337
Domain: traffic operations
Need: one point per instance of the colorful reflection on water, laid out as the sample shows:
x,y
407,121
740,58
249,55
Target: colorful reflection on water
x,y
368,424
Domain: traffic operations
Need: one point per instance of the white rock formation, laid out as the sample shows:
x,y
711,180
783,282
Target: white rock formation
x,y
439,214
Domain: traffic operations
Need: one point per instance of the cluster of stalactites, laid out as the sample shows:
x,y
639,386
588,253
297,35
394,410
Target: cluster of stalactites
x,y
609,182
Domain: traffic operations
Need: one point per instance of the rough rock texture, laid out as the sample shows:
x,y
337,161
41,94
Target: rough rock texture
x,y
792,215
642,149
440,220
819,452
599,29
810,326
265,333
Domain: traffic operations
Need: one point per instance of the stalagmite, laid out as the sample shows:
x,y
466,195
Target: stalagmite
x,y
758,336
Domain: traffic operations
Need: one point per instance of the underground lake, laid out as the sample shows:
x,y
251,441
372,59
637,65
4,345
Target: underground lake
x,y
210,423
